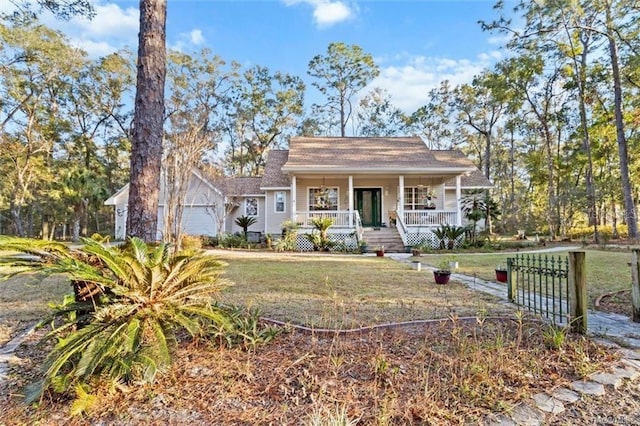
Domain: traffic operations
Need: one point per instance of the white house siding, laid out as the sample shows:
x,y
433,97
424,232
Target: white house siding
x,y
121,221
450,199
273,223
196,220
389,186
259,226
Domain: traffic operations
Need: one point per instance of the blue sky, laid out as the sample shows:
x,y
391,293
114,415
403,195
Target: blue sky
x,y
415,43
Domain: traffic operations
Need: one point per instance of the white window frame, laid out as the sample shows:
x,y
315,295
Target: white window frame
x,y
311,204
417,199
247,203
284,202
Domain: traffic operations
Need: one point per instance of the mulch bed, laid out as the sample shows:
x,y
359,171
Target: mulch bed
x,y
618,302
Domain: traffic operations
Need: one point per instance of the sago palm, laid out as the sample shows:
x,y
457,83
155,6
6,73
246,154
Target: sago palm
x,y
245,222
146,295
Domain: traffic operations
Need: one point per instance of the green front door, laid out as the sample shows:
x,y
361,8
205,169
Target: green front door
x,y
369,205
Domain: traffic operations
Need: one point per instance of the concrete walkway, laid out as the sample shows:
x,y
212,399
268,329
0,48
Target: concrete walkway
x,y
613,328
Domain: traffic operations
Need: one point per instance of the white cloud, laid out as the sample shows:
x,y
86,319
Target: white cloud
x,y
327,12
112,28
187,41
410,82
111,21
96,49
196,37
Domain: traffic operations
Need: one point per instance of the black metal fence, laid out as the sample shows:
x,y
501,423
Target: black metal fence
x,y
540,283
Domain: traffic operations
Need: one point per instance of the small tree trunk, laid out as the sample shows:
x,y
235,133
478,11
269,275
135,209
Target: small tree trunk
x,y
623,151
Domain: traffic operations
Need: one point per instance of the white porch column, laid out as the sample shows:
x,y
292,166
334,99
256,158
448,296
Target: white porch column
x,y
400,206
294,189
351,201
458,196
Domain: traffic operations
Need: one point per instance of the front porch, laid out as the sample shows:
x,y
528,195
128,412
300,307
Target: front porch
x,y
413,227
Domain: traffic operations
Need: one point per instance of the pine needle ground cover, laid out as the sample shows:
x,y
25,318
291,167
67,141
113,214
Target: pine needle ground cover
x,y
451,372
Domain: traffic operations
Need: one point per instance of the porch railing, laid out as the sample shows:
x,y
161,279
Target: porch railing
x,y
358,223
340,218
402,229
433,218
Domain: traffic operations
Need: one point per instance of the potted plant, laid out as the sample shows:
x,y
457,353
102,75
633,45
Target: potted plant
x,y
442,274
501,274
364,247
380,251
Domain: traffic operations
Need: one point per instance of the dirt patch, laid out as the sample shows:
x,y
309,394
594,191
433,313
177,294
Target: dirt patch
x,y
451,373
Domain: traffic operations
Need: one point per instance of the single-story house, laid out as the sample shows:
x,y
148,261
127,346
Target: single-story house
x,y
394,186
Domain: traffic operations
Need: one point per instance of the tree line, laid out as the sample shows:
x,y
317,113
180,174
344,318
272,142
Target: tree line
x,y
554,125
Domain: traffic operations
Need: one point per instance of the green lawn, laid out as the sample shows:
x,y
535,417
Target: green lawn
x,y
607,270
332,290
24,300
345,290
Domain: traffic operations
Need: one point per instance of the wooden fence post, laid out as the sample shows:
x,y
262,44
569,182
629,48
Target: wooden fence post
x,y
511,282
635,284
578,291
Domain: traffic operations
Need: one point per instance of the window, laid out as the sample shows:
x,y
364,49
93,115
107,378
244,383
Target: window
x,y
251,207
323,198
281,199
419,198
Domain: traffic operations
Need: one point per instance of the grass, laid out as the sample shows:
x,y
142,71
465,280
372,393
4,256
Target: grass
x,y
607,270
453,372
24,300
345,291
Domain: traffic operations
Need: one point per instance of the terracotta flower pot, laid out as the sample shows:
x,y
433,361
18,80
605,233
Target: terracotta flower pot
x,y
379,253
501,275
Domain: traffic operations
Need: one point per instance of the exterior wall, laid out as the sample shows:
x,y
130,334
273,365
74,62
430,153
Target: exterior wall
x,y
201,203
388,186
450,199
259,226
274,219
196,220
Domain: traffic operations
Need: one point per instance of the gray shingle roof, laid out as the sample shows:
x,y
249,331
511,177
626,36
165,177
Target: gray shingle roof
x,y
273,175
475,179
357,153
240,186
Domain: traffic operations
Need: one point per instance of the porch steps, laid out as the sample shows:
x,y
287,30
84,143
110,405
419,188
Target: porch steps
x,y
387,237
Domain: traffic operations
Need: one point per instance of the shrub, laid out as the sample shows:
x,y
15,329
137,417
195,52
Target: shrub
x,y
288,242
245,222
143,295
244,328
605,231
232,241
191,242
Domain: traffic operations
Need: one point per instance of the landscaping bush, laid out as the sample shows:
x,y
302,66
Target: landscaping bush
x,y
191,242
605,231
141,296
232,241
